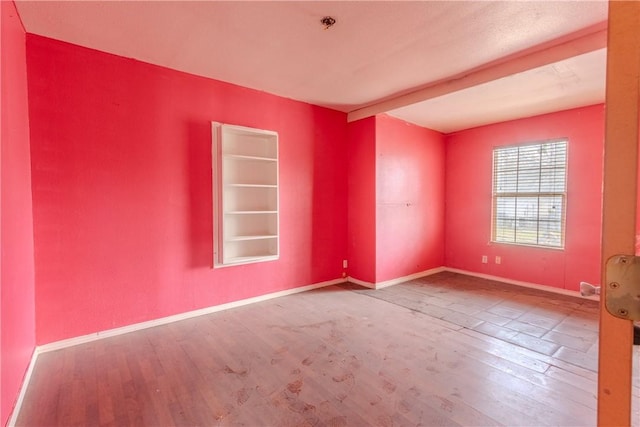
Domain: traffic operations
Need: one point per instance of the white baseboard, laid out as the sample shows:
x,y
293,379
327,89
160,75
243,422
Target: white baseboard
x,y
177,317
386,283
380,285
57,345
13,418
521,283
181,316
361,282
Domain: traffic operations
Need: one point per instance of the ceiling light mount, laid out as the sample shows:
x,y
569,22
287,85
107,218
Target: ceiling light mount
x,y
328,22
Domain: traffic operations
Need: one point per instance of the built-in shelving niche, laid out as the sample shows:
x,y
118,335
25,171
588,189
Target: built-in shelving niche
x,y
245,195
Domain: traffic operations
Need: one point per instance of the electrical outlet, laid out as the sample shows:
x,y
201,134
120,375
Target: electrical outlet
x,y
498,259
484,259
344,263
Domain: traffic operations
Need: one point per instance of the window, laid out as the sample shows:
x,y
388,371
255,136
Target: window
x,y
529,194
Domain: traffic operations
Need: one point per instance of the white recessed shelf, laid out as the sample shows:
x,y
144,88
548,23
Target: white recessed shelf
x,y
245,187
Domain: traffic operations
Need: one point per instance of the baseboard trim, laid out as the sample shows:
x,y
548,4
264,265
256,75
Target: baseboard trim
x,y
57,345
521,283
13,418
361,282
387,283
234,304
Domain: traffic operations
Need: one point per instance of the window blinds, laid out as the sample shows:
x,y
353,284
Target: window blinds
x,y
529,193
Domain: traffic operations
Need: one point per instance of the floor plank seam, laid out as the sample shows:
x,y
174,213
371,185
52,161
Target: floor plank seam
x,y
423,282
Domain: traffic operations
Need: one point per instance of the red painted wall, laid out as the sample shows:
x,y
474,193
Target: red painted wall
x,y
122,190
409,199
361,137
17,309
468,200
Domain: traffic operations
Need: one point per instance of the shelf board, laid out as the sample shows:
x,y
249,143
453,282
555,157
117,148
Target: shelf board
x,y
249,212
244,157
247,259
253,185
255,237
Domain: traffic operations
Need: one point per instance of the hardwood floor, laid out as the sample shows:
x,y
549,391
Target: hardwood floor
x,y
442,350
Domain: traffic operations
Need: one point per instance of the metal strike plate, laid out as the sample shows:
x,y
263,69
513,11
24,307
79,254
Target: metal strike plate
x,y
622,290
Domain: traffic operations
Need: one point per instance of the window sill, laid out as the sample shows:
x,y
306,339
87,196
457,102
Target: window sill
x,y
552,248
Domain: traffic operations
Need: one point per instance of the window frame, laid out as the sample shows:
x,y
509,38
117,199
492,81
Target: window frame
x,y
496,195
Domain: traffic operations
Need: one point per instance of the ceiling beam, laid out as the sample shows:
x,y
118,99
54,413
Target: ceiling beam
x,y
538,56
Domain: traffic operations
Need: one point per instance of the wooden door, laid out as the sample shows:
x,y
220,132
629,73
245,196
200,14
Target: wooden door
x,y
620,195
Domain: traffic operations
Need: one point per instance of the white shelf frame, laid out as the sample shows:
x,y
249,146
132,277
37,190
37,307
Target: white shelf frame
x,y
235,238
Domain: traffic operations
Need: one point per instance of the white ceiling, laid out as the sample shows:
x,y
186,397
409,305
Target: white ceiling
x,y
577,81
376,51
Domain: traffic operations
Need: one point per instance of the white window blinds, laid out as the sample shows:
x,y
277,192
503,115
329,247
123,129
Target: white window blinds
x,y
529,194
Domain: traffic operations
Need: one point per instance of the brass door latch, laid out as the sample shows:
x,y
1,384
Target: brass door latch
x,y
622,287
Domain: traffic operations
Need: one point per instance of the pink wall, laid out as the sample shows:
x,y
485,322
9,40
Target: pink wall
x,y
17,314
409,199
122,190
468,200
122,193
361,155
396,199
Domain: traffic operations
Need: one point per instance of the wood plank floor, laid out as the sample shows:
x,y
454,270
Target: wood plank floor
x,y
444,350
